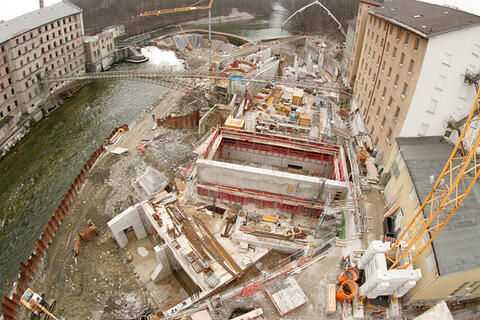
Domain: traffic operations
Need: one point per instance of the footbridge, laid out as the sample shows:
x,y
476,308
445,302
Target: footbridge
x,y
187,81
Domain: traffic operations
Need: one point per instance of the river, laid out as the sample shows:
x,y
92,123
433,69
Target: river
x,y
38,171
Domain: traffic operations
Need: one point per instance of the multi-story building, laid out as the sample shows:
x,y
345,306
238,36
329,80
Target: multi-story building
x,y
450,265
45,42
98,51
9,111
409,64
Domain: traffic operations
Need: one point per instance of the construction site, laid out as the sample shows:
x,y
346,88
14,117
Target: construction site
x,y
253,194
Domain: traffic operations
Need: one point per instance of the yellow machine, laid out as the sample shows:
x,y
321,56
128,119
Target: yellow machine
x,y
35,303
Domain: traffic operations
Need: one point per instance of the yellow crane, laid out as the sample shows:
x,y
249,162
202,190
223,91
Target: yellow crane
x,y
192,7
453,185
395,275
186,38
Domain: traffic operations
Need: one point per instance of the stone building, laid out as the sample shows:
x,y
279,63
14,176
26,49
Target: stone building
x,y
408,68
45,42
99,51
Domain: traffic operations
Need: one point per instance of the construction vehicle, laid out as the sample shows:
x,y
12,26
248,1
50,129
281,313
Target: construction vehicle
x,y
37,304
393,275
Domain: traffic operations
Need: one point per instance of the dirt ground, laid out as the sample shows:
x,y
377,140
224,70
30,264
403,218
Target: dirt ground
x,y
100,283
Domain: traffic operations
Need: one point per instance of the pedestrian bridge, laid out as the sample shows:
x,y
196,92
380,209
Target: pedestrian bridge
x,y
184,81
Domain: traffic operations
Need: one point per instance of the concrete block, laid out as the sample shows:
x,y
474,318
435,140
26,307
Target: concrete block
x,y
121,239
151,181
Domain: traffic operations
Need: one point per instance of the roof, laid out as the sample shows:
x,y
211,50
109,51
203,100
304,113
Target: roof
x,y
457,246
16,26
423,18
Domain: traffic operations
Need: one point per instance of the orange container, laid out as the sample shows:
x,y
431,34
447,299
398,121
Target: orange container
x,y
347,291
349,274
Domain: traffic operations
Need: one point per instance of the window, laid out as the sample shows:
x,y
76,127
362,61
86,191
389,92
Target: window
x,y
399,33
410,67
417,44
383,66
431,261
383,121
378,85
378,111
404,90
384,92
432,106
447,59
440,83
389,134
394,54
378,60
395,83
422,131
397,112
376,39
390,101
407,36
402,58
389,72
475,52
388,47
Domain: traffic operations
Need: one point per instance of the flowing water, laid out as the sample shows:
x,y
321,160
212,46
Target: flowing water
x,y
35,175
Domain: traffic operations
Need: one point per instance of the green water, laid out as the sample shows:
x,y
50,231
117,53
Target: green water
x,y
36,174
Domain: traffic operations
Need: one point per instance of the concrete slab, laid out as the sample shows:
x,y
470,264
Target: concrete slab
x,y
286,296
151,181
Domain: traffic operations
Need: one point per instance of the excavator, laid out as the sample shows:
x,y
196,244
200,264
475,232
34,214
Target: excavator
x,y
37,304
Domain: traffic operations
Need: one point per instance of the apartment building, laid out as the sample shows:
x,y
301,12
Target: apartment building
x,y
450,265
411,60
45,42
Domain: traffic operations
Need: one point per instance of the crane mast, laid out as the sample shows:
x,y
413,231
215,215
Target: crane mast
x,y
454,183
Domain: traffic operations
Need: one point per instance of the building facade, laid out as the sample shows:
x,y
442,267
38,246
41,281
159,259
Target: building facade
x,y
99,51
450,265
409,79
45,42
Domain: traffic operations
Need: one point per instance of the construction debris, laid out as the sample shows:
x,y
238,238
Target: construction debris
x,y
85,236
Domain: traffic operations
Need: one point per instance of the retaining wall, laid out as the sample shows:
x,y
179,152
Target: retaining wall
x,y
11,304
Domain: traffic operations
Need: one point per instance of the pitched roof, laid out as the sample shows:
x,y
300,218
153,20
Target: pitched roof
x,y
423,18
35,19
457,246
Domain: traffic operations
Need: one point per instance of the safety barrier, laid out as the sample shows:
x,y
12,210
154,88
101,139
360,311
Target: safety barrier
x,y
11,305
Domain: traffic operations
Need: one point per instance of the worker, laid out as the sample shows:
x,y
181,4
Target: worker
x,y
153,117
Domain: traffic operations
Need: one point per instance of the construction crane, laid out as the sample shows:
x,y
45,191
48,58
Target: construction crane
x,y
37,304
186,38
192,7
459,175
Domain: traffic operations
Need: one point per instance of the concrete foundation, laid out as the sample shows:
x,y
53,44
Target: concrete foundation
x,y
129,218
163,269
278,182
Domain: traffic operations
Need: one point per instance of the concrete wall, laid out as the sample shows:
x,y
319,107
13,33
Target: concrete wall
x,y
441,93
282,183
322,168
128,218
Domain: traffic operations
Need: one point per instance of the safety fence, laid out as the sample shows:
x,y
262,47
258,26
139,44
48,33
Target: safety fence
x,y
11,304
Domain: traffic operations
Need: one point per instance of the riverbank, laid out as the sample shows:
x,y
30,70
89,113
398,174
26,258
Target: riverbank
x,y
100,282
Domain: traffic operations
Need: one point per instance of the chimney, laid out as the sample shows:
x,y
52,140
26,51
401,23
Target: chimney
x,y
42,5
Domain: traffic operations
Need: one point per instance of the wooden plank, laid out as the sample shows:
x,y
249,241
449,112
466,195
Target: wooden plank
x,y
331,300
